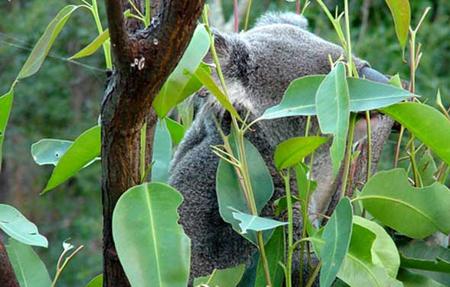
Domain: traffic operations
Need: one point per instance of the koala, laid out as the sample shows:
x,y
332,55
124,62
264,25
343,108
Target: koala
x,y
258,66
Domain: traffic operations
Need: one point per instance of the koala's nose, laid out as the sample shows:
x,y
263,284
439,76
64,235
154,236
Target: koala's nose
x,y
373,75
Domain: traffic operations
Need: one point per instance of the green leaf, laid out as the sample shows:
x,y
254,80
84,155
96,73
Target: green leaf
x,y
206,79
5,110
305,188
384,252
29,269
415,212
96,282
255,223
281,204
427,168
44,44
411,279
275,254
298,100
49,151
176,130
423,256
92,47
19,227
162,153
83,151
401,12
294,150
333,112
181,82
152,247
222,277
358,268
300,97
228,188
426,123
337,235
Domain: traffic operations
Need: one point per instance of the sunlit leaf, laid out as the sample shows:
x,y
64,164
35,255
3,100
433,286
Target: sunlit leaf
x,y
384,252
84,150
16,225
336,234
299,99
93,46
29,269
49,151
181,82
294,150
176,130
162,153
401,12
333,112
255,223
426,123
152,247
358,268
415,212
44,44
5,109
222,277
96,282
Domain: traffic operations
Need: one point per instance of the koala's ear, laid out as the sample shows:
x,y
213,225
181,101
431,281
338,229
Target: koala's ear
x,y
290,18
222,42
231,49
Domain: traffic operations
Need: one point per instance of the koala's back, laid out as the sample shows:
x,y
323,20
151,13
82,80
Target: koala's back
x,y
258,65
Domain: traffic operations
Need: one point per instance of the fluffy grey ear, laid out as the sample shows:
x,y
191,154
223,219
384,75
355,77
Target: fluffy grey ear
x,y
233,53
290,18
222,42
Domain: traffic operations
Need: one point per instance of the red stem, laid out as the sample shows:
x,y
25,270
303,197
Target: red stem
x,y
298,7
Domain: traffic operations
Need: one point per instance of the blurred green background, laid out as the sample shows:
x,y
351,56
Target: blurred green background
x,y
63,100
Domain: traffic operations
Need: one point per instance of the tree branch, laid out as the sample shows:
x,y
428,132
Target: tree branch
x,y
143,61
7,275
117,31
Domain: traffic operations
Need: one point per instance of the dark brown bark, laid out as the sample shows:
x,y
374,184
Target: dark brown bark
x,y
7,275
127,102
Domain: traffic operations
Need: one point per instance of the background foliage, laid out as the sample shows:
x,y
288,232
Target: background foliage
x,y
63,100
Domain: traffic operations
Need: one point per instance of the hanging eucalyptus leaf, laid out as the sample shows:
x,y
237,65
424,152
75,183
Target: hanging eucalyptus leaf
x,y
16,225
152,246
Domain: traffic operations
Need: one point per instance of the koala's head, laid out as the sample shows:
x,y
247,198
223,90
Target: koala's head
x,y
260,63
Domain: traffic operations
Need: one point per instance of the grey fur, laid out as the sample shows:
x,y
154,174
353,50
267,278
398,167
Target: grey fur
x,y
258,65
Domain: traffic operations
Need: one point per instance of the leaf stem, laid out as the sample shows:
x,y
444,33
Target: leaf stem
x,y
398,146
107,44
247,14
148,13
60,268
242,172
348,154
314,275
287,186
369,146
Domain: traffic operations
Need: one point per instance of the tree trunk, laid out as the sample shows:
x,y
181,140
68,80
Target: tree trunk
x,y
7,275
128,98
